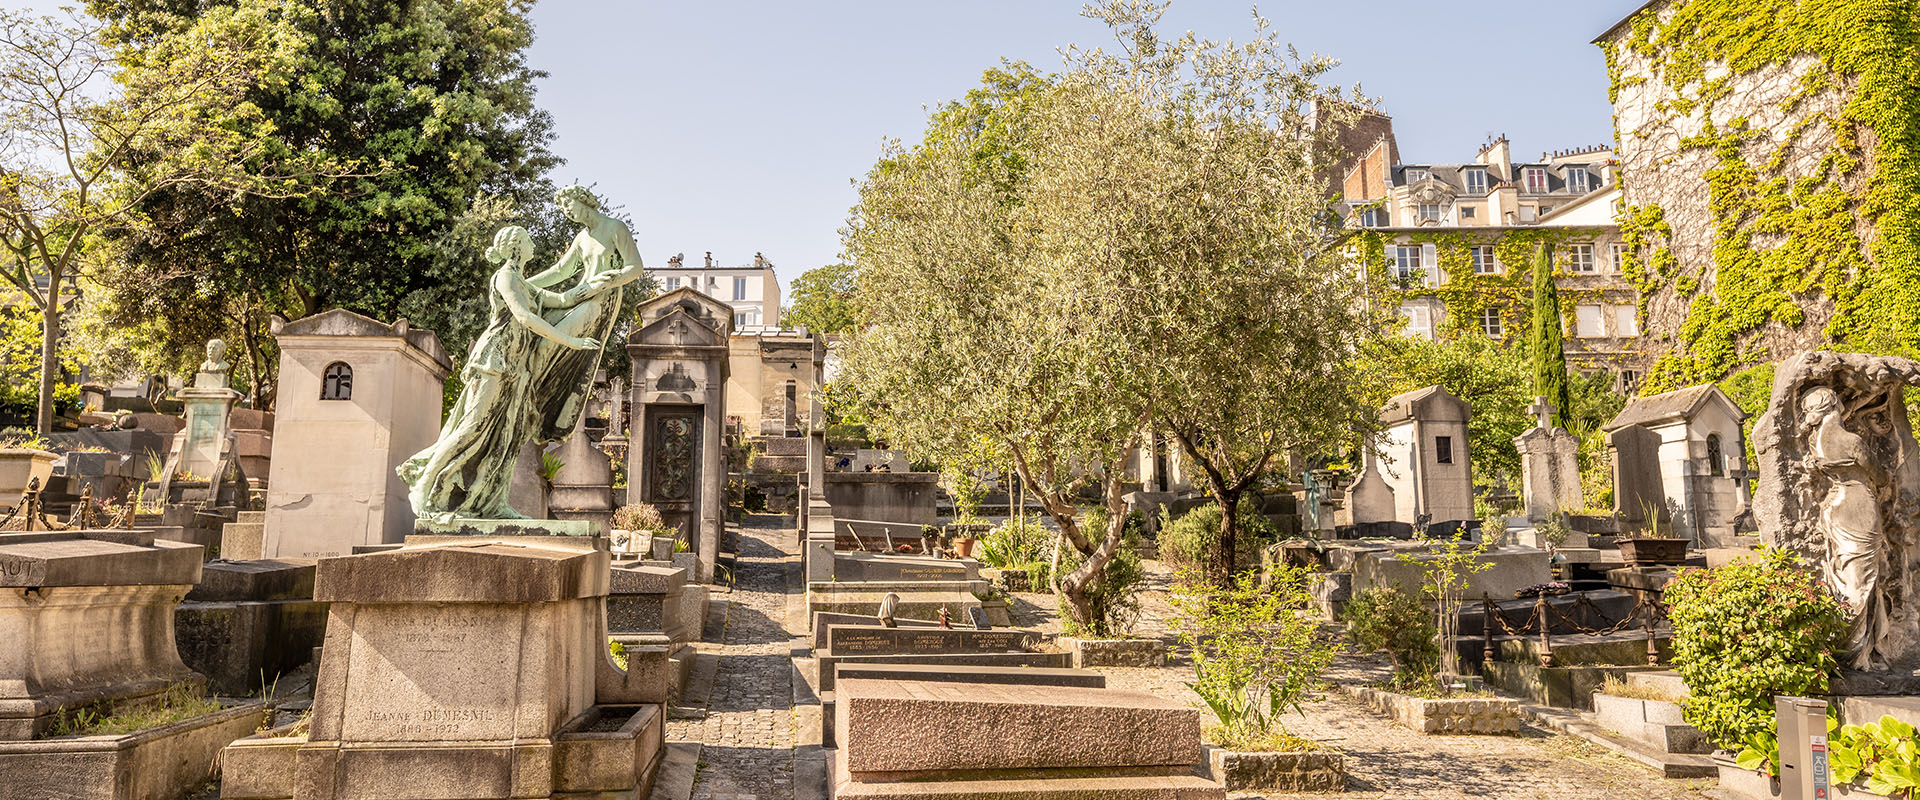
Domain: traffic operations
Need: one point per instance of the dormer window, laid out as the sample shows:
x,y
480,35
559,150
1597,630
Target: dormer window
x,y
1370,217
1536,180
1475,180
1578,180
1429,212
1416,175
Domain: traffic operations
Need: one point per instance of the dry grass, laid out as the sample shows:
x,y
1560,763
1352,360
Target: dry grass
x,y
1619,687
180,702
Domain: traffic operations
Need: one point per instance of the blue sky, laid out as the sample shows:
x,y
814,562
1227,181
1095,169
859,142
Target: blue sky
x,y
735,126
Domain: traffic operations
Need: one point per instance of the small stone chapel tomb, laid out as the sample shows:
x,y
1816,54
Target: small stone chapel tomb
x,y
1684,451
357,397
1424,455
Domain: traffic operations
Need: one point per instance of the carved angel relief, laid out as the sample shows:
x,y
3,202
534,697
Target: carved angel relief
x,y
1840,485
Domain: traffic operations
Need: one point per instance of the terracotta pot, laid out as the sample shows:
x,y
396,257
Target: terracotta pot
x,y
964,546
1654,552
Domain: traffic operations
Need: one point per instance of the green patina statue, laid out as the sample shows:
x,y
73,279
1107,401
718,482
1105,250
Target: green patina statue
x,y
527,376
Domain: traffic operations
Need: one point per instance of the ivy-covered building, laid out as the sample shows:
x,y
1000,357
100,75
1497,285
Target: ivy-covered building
x,y
1454,244
1771,160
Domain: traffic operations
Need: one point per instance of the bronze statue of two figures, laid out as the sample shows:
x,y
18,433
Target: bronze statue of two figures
x,y
529,372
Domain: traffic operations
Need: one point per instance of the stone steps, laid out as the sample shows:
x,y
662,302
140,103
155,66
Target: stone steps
x,y
1655,723
1573,723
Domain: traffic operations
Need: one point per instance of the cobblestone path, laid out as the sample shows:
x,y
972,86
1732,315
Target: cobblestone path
x,y
747,735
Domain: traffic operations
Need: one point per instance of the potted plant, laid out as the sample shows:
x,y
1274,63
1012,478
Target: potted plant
x,y
1645,547
22,460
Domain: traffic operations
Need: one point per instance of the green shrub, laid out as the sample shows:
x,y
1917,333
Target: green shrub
x,y
1748,631
1114,595
1384,618
1192,541
1882,757
1014,543
1255,653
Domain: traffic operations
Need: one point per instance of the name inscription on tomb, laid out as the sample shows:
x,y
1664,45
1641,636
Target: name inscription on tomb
x,y
22,571
446,674
845,641
436,723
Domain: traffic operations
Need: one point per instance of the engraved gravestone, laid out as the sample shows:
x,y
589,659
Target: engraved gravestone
x,y
464,670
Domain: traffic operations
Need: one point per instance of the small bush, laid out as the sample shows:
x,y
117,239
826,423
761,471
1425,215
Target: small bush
x,y
1383,618
1019,545
1256,654
1748,631
638,517
1192,541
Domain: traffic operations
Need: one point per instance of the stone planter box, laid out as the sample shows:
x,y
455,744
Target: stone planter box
x,y
164,762
1463,715
1114,652
18,467
1654,552
1291,771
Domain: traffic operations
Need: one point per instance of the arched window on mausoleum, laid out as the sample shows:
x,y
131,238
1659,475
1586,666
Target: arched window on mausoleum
x,y
336,383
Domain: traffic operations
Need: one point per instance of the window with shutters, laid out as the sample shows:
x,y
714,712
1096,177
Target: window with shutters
x,y
1536,180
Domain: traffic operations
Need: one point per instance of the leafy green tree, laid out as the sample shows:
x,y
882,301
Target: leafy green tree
x,y
1489,375
73,112
823,300
1549,354
435,102
1064,260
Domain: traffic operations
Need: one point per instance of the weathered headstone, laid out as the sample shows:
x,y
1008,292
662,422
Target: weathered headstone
x,y
1549,469
200,445
897,735
87,620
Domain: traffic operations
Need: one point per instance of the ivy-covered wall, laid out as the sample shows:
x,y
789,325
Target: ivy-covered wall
x,y
1771,159
1463,294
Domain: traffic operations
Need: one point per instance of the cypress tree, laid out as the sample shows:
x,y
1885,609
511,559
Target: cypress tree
x,y
1549,357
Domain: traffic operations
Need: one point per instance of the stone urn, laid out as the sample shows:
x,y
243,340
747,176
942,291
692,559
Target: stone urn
x,y
1654,552
18,467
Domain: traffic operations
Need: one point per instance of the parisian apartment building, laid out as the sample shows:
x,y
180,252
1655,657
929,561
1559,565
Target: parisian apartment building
x,y
1426,211
753,291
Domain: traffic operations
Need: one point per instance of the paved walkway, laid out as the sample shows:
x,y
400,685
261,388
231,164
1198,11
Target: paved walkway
x,y
747,735
1386,761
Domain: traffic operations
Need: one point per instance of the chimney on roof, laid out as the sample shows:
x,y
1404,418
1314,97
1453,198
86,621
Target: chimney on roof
x,y
709,259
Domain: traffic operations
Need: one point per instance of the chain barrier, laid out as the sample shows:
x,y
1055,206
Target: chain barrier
x,y
1649,613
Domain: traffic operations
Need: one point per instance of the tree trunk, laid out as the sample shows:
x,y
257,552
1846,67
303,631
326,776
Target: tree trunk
x,y
1222,567
49,358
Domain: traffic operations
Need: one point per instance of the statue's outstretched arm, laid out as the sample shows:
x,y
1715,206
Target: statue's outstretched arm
x,y
516,302
566,267
631,268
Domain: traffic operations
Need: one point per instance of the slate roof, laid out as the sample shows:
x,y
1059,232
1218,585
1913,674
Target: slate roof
x,y
1669,406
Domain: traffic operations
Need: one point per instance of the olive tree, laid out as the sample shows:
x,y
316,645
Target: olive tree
x,y
1066,261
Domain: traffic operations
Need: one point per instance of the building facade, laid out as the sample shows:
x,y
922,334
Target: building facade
x,y
753,291
1455,243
